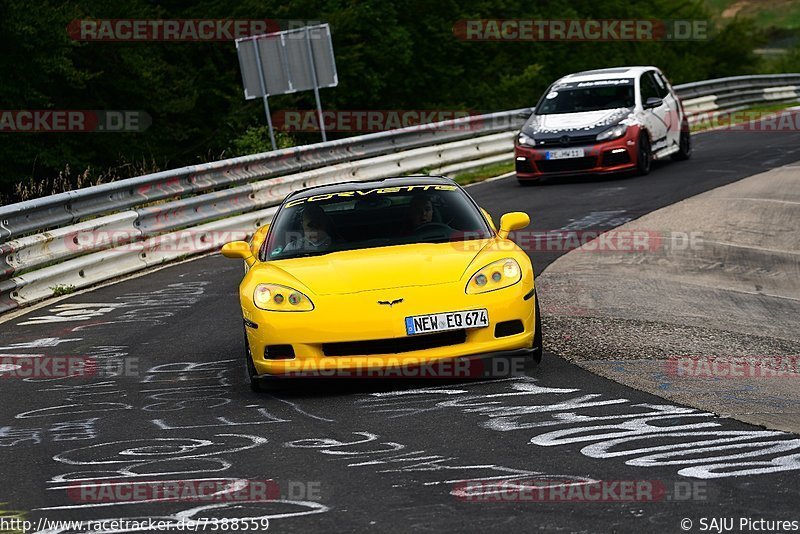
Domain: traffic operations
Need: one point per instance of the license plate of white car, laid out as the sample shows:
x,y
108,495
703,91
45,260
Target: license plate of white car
x,y
564,154
441,322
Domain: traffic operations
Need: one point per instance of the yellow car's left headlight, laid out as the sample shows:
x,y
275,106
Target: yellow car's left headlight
x,y
496,275
272,297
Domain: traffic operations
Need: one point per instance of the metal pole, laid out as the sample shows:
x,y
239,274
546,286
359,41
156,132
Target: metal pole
x,y
313,66
264,92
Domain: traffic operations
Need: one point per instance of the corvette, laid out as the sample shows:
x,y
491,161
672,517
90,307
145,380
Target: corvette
x,y
357,278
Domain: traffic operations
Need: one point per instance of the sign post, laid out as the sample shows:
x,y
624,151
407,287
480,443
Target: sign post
x,y
287,62
263,84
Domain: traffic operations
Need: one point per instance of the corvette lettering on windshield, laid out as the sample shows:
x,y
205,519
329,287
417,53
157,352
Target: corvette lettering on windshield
x,y
363,193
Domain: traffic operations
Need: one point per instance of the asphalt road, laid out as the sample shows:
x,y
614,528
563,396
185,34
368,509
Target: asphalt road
x,y
385,456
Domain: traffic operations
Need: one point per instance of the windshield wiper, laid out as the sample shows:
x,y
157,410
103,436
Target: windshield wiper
x,y
432,240
308,254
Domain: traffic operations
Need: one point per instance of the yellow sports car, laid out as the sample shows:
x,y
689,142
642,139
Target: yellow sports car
x,y
396,277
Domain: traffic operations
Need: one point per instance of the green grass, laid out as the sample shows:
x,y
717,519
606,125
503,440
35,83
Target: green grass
x,y
61,290
772,107
484,173
767,14
477,175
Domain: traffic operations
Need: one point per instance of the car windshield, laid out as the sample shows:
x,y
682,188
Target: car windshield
x,y
587,96
373,217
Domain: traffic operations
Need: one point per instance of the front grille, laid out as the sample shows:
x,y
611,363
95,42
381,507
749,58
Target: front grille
x,y
524,166
569,140
620,158
566,165
395,345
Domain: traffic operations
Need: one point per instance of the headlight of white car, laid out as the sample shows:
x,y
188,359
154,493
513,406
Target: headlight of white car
x,y
525,139
496,275
614,132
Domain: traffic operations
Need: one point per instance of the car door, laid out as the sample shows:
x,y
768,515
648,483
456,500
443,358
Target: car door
x,y
656,118
673,118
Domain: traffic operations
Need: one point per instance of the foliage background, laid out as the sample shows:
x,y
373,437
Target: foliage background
x,y
391,54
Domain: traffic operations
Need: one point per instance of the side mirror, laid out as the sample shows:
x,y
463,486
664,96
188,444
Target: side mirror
x,y
525,113
653,102
513,221
258,239
240,250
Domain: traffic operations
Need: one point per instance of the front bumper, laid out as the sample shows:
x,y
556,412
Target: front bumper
x,y
357,318
618,155
495,364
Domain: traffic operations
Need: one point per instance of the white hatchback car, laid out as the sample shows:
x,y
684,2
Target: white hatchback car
x,y
603,121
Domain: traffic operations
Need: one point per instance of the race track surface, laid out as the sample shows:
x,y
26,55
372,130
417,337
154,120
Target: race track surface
x,y
382,456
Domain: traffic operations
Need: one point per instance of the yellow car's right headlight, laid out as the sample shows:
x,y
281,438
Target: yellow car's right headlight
x,y
272,297
496,275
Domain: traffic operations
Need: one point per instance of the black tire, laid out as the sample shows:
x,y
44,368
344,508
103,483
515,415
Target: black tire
x,y
255,383
684,144
537,336
644,157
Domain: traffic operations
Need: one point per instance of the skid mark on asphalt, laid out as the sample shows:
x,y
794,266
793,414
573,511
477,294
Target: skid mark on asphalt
x,y
694,442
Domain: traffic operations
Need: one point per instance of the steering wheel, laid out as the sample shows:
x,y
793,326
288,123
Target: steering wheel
x,y
432,228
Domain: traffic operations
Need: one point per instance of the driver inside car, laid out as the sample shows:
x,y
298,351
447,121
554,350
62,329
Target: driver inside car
x,y
317,231
420,213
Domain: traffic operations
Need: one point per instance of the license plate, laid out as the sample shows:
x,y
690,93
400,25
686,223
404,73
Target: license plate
x,y
564,154
440,322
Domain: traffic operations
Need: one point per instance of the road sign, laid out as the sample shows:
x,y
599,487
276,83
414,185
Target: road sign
x,y
288,62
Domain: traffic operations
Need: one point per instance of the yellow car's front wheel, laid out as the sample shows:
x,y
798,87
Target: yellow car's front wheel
x,y
537,336
256,384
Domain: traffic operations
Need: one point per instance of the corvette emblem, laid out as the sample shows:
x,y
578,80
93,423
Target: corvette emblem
x,y
390,303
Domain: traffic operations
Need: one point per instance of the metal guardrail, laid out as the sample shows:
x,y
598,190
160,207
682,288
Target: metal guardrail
x,y
733,84
70,207
137,223
111,246
704,100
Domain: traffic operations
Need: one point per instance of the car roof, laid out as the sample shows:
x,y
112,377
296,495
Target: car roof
x,y
613,73
393,181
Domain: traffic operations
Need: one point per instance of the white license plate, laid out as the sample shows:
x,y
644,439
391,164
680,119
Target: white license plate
x,y
440,322
564,154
